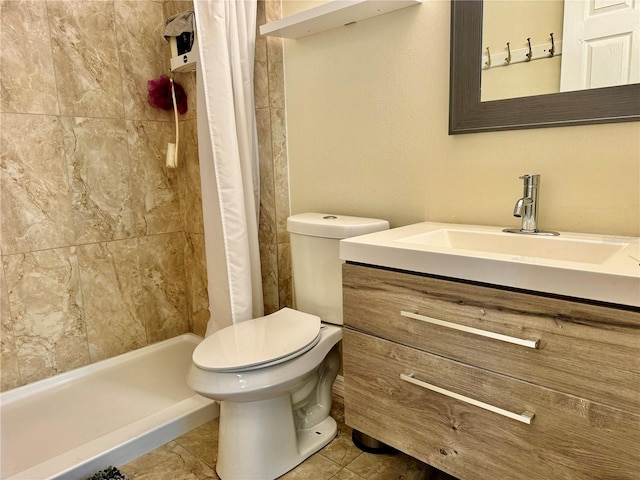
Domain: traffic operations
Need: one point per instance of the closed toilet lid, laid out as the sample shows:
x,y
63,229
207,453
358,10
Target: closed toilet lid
x,y
259,342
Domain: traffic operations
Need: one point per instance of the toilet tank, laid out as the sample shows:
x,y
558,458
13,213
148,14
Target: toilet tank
x,y
315,259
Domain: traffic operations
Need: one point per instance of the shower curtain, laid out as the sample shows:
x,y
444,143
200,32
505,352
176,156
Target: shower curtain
x,y
228,151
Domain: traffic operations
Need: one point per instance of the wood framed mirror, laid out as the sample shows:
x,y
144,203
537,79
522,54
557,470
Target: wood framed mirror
x,y
467,114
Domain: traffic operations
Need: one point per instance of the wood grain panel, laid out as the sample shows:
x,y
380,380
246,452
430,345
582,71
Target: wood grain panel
x,y
588,350
569,439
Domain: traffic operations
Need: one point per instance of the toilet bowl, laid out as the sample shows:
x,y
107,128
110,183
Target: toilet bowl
x,y
263,400
273,375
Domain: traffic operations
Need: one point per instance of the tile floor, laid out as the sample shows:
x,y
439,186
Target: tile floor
x,y
193,457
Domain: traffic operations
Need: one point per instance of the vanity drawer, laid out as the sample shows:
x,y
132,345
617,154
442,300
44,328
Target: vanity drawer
x,y
588,350
568,438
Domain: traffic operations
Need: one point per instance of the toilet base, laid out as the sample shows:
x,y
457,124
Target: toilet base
x,y
259,441
311,440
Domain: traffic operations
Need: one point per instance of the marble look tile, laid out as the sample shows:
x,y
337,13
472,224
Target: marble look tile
x,y
46,307
389,467
285,286
171,7
260,78
97,159
345,474
164,285
196,273
269,271
38,191
154,188
144,55
267,224
341,450
260,74
203,442
36,211
275,72
112,289
169,462
85,57
273,10
315,467
189,176
25,34
281,172
9,373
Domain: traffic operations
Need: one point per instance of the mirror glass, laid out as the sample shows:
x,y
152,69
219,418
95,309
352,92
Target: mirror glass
x,y
515,108
575,45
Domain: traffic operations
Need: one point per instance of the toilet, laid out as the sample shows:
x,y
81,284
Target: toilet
x,y
273,375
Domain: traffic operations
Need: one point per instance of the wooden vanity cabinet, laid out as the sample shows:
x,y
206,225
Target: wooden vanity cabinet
x,y
488,383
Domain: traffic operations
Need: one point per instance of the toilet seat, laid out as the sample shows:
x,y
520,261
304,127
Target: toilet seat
x,y
259,343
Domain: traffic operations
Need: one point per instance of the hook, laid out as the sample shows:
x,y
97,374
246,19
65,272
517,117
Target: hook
x,y
530,54
552,50
488,62
508,59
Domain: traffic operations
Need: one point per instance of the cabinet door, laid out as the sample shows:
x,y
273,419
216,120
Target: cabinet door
x,y
551,435
591,351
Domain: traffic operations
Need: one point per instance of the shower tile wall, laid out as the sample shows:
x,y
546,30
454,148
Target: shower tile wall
x,y
102,246
275,251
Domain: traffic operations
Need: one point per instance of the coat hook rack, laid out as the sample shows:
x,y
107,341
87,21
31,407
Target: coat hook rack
x,y
528,53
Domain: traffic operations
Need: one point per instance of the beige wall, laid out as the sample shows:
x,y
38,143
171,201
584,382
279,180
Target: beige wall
x,y
367,112
101,245
514,22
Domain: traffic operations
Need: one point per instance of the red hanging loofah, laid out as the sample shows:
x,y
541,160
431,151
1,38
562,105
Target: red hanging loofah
x,y
160,94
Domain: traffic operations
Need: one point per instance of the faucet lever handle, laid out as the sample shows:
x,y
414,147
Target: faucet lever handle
x,y
530,178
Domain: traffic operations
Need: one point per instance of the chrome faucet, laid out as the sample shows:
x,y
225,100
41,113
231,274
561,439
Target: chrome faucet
x,y
527,208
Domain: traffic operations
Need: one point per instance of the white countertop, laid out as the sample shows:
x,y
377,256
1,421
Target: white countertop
x,y
612,277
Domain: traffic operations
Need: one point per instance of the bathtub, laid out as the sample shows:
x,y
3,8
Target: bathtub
x,y
107,413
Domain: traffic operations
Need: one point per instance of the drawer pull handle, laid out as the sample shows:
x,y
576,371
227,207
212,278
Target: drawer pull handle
x,y
524,417
474,331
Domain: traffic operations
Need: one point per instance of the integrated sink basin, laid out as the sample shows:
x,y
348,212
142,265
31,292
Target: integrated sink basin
x,y
588,266
552,248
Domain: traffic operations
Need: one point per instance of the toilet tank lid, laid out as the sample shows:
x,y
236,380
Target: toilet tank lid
x,y
329,225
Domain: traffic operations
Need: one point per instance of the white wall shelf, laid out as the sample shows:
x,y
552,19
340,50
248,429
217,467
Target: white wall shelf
x,y
330,15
